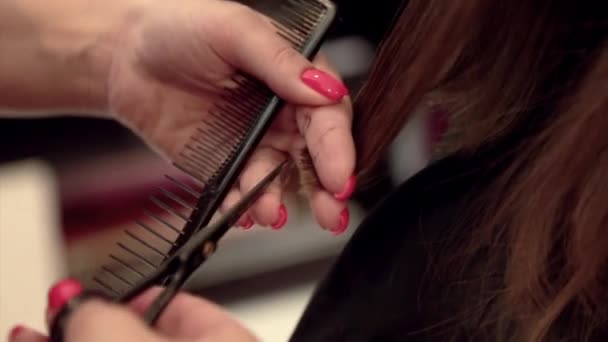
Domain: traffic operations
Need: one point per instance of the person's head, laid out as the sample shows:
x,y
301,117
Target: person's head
x,y
497,67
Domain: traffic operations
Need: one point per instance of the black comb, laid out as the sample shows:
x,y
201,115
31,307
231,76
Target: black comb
x,y
213,158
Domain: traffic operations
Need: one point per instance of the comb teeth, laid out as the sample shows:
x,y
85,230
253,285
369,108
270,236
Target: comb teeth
x,y
105,285
209,159
126,265
220,134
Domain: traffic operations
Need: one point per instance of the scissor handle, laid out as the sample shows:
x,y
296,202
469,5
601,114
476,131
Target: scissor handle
x,y
58,325
179,267
164,298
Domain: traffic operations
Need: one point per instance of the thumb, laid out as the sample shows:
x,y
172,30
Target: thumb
x,y
97,321
254,46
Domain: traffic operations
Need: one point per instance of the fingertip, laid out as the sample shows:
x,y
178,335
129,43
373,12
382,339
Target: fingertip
x,y
59,295
248,223
343,221
282,218
22,333
267,210
331,214
15,331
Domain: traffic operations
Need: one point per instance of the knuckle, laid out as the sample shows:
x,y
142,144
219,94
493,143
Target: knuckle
x,y
322,139
239,15
284,55
304,119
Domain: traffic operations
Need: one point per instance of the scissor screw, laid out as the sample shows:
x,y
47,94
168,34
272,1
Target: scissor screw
x,y
208,248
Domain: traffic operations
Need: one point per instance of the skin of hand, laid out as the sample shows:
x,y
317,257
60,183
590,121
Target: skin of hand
x,y
177,58
157,66
186,318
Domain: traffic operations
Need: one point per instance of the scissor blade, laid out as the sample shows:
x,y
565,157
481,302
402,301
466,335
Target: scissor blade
x,y
216,230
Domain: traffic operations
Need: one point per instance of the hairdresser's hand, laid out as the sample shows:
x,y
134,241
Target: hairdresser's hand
x,y
173,59
186,318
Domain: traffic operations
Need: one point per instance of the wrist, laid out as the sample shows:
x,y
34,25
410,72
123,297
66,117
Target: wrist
x,y
82,43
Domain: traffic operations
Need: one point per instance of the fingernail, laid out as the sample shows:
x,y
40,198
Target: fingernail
x,y
344,217
18,329
324,84
63,292
282,218
349,188
248,224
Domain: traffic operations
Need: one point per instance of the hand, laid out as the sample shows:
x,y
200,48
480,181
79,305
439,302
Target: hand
x,y
172,60
186,318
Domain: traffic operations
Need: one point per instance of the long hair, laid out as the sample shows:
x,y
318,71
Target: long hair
x,y
497,67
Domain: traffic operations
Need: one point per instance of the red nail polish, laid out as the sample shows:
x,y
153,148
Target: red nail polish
x,y
344,218
282,218
324,84
248,224
14,332
349,188
63,292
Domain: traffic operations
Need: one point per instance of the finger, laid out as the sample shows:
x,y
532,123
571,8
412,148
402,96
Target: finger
x,y
331,214
331,147
59,295
290,75
268,209
281,141
285,120
22,333
328,135
97,321
231,199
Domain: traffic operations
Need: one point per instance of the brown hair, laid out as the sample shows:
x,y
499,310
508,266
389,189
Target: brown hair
x,y
501,66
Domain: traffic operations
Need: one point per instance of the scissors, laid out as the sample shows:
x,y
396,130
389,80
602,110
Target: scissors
x,y
176,270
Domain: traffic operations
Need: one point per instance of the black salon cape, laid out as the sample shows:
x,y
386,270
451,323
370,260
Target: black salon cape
x,y
373,292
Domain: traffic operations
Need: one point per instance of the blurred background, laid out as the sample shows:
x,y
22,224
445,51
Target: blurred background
x,y
90,178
